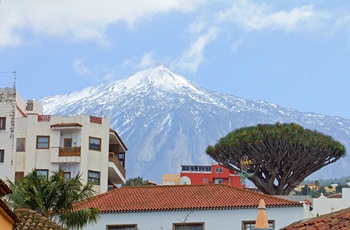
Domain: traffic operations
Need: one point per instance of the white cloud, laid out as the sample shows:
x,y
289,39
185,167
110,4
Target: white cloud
x,y
147,60
104,72
196,27
79,19
83,70
194,55
236,45
251,16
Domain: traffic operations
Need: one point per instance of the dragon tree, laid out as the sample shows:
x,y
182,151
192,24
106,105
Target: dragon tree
x,y
276,157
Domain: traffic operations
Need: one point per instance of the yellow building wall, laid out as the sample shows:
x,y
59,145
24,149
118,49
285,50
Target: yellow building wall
x,y
5,223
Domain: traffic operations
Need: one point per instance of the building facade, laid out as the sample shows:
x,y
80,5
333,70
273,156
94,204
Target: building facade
x,y
209,206
80,144
325,205
170,179
12,106
207,174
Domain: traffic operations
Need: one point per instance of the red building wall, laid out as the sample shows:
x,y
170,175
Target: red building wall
x,y
200,174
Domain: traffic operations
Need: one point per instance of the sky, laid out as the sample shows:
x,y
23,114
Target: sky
x,y
292,53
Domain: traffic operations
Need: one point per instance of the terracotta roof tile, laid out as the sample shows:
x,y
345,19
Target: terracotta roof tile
x,y
32,220
8,211
4,189
335,220
66,125
181,197
338,195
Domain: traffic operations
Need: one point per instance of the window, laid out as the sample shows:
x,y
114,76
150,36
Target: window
x,y
205,180
185,168
94,177
250,224
2,156
19,175
122,227
2,123
218,181
67,144
66,175
189,226
122,159
95,143
218,170
42,142
20,144
43,172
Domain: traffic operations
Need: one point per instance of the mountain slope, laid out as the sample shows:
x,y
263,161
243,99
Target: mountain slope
x,y
166,120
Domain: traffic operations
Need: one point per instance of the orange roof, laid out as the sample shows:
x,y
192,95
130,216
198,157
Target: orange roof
x,y
338,195
4,189
8,211
31,220
335,220
180,197
66,125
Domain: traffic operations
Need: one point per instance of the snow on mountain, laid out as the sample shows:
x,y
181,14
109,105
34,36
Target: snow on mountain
x,y
166,120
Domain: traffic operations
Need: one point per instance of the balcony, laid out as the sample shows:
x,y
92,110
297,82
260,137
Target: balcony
x,y
69,151
67,155
114,176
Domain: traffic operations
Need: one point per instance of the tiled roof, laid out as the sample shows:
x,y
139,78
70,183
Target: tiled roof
x,y
4,189
338,195
336,220
32,220
67,125
180,197
10,215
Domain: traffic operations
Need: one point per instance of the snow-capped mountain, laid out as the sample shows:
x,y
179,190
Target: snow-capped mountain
x,y
166,120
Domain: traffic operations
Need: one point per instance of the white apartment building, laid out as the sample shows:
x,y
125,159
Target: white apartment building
x,y
12,106
80,144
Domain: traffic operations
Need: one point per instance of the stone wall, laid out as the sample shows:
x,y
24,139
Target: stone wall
x,y
7,110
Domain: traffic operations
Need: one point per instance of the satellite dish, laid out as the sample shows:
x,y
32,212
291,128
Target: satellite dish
x,y
184,180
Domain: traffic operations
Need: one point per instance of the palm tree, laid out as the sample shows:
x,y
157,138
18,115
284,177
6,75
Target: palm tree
x,y
54,198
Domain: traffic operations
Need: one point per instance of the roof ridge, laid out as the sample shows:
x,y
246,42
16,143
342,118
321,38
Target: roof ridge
x,y
166,198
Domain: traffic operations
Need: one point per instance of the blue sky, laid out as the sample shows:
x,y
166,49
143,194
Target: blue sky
x,y
292,53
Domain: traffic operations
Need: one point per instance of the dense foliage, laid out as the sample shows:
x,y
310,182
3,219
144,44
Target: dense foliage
x,y
54,198
137,181
283,154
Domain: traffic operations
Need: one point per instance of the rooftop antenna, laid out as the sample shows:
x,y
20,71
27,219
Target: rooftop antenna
x,y
14,77
245,164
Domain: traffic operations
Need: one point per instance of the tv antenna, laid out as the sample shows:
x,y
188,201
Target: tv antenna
x,y
14,77
245,164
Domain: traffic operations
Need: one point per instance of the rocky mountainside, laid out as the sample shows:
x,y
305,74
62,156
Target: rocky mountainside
x,y
166,120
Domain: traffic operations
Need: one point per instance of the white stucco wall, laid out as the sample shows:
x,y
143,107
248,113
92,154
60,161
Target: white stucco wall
x,y
324,205
212,219
29,128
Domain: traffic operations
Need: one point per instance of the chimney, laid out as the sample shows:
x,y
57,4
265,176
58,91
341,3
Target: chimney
x,y
30,105
261,222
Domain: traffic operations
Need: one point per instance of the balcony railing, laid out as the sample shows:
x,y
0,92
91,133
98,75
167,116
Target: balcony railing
x,y
115,160
44,118
69,151
96,120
